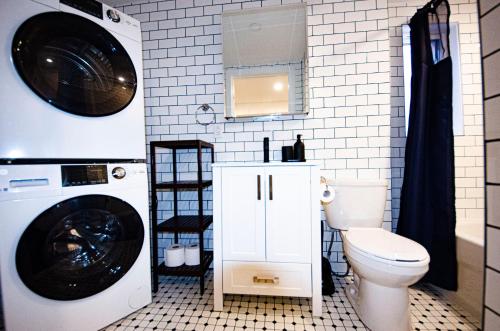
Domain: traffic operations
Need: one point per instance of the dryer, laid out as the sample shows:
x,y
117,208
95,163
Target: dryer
x,y
74,245
72,81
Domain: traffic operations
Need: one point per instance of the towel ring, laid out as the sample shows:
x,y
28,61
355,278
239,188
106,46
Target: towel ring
x,y
205,107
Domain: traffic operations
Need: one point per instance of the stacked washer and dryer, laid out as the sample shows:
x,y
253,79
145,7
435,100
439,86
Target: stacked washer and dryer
x,y
74,219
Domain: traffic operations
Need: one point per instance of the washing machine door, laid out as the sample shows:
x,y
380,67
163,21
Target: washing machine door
x,y
79,247
74,64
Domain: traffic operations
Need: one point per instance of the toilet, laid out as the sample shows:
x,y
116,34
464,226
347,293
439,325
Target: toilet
x,y
384,264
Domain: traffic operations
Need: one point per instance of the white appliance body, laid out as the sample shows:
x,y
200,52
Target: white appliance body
x,y
32,128
26,192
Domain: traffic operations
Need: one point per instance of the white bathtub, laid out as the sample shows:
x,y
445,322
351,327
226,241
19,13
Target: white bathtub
x,y
470,256
471,231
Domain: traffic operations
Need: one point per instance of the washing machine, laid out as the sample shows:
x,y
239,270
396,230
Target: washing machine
x,y
74,245
72,81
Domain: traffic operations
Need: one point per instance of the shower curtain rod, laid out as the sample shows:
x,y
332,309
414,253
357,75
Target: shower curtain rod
x,y
433,3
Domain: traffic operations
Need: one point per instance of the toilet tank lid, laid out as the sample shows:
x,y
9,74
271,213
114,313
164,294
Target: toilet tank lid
x,y
357,182
386,245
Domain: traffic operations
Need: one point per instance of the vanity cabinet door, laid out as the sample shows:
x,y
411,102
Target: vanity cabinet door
x,y
288,214
243,214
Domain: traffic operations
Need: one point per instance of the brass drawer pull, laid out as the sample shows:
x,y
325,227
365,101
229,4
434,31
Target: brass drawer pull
x,y
266,280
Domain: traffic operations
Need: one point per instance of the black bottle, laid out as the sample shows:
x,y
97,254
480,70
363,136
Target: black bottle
x,y
299,150
266,149
286,153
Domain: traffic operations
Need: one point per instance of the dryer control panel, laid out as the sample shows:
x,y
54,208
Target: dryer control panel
x,y
77,175
90,7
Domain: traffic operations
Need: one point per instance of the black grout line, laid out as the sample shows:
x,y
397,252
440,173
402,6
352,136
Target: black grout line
x,y
486,141
493,311
496,270
490,54
492,97
489,11
493,226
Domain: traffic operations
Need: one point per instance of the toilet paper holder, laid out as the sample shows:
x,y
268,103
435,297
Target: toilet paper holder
x,y
327,195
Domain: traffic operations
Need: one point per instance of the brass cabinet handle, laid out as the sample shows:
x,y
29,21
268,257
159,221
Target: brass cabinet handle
x,y
270,187
258,187
266,280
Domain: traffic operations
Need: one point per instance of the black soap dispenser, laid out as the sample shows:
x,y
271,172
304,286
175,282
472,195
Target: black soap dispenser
x,y
299,150
266,149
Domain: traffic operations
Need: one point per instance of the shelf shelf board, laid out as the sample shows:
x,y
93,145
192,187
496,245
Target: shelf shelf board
x,y
183,184
182,144
188,270
185,223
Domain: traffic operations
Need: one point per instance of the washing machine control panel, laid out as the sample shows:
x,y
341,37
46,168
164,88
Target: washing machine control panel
x,y
78,175
113,15
91,7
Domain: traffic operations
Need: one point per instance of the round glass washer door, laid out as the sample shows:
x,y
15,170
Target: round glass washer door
x,y
79,247
74,64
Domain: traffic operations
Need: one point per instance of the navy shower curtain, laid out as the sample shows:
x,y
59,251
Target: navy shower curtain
x,y
427,212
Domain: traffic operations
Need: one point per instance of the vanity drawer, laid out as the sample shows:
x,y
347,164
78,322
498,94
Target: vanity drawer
x,y
266,278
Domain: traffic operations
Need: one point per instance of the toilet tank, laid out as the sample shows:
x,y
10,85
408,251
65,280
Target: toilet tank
x,y
357,203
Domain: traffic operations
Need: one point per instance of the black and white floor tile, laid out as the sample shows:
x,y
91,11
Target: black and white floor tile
x,y
178,306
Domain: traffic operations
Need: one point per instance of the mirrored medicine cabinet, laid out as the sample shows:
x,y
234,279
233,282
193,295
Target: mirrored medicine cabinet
x,y
265,61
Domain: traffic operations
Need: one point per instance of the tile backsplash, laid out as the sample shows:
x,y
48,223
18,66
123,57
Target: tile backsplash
x,y
354,122
348,125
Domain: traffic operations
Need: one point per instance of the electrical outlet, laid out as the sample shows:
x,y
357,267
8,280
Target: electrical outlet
x,y
218,130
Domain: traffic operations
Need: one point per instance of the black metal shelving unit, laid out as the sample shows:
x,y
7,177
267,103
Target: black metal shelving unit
x,y
180,223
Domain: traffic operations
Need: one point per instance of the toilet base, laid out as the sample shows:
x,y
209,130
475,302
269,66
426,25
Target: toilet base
x,y
380,308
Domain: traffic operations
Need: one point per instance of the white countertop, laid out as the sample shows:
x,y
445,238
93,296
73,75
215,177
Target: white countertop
x,y
267,164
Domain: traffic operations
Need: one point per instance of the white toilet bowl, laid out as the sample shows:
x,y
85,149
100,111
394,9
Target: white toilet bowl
x,y
380,293
384,263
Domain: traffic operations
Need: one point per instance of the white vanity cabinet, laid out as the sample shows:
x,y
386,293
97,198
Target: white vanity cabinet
x,y
267,238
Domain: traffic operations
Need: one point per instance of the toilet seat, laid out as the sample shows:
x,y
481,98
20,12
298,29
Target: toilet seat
x,y
386,247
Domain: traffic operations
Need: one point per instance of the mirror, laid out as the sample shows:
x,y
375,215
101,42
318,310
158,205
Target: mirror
x,y
265,61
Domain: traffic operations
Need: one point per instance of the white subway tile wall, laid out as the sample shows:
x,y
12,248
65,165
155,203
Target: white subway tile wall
x,y
348,128
469,156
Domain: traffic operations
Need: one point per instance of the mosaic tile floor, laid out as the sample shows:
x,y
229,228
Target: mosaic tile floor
x,y
178,306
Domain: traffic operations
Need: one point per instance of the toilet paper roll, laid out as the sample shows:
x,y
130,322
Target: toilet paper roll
x,y
327,193
192,254
174,255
